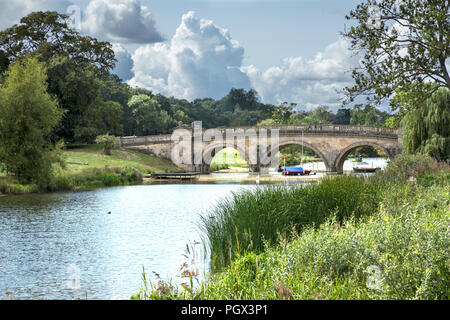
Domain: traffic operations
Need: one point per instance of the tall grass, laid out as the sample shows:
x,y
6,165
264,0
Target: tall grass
x,y
94,178
250,220
402,252
66,181
9,185
386,237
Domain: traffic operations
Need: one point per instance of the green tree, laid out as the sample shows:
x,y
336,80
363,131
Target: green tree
x,y
402,47
322,114
149,117
401,103
48,35
77,87
367,116
107,115
343,116
426,129
282,112
28,115
74,65
4,62
179,113
113,89
108,142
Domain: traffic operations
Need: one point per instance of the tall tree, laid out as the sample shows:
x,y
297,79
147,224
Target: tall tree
x,y
149,117
77,88
367,116
404,45
282,112
48,34
343,116
28,115
426,129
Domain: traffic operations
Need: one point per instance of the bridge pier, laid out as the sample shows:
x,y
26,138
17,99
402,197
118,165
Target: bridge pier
x,y
258,169
202,168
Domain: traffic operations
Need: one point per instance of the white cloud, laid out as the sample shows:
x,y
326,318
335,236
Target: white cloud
x,y
309,83
124,63
123,21
12,11
201,60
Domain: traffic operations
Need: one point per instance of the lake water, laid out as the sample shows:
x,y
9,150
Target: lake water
x,y
67,246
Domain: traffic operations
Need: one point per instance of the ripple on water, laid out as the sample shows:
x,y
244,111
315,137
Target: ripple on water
x,y
44,238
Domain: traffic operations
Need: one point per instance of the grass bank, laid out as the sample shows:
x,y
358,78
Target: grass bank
x,y
94,156
122,167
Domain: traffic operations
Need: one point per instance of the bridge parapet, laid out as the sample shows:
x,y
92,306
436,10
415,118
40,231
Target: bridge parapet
x,y
133,141
283,129
322,129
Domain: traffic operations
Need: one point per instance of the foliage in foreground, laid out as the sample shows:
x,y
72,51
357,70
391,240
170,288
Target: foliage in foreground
x,y
401,252
247,220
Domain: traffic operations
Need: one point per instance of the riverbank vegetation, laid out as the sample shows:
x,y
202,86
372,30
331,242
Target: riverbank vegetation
x,y
385,237
88,168
226,158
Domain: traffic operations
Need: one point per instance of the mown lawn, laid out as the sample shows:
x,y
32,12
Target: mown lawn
x,y
94,156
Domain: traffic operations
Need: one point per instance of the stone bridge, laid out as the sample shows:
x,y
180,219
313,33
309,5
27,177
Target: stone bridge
x,y
332,143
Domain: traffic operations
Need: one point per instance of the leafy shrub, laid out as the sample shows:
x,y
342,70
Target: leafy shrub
x,y
108,142
405,166
10,186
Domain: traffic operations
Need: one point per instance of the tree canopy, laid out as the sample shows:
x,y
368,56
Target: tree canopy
x,y
48,34
404,50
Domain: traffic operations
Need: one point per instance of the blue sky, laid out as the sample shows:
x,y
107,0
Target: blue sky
x,y
288,50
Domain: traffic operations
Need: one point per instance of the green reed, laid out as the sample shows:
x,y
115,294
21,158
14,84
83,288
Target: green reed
x,y
250,220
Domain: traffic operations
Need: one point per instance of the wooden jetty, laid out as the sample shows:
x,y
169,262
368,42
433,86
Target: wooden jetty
x,y
181,176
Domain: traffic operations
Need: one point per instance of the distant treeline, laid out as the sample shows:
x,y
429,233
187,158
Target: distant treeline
x,y
96,102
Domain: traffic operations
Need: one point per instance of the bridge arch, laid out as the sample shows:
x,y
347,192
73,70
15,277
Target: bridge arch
x,y
339,163
305,144
214,148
